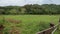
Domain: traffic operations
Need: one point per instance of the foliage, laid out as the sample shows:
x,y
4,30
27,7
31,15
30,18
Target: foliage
x,y
30,9
29,24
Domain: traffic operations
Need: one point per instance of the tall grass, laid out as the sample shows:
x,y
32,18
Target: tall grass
x,y
30,23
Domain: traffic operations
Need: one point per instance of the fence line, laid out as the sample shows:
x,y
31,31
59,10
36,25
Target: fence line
x,y
54,31
50,30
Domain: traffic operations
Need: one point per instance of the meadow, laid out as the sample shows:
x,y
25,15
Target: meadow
x,y
29,24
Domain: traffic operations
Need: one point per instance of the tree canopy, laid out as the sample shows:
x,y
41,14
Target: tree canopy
x,y
30,9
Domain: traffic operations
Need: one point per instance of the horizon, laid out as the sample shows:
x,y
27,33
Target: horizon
x,y
30,4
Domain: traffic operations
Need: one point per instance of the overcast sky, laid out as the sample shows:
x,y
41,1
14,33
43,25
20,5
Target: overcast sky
x,y
23,2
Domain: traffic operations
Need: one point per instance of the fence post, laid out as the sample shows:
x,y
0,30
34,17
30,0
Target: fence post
x,y
59,20
51,24
59,24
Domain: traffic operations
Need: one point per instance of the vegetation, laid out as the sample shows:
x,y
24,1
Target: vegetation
x,y
30,9
30,24
28,19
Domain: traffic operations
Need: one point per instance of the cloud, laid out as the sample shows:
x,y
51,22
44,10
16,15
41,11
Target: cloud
x,y
12,2
18,2
51,2
23,2
34,1
56,1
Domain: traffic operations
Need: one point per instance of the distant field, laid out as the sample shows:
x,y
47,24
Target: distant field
x,y
30,24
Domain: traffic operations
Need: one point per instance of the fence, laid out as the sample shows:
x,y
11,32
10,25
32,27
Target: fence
x,y
50,30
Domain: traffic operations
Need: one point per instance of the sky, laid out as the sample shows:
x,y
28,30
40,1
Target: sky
x,y
23,2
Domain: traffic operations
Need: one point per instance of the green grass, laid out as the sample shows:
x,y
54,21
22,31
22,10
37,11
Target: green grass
x,y
30,23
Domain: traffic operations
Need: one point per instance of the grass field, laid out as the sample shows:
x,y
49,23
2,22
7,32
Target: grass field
x,y
30,24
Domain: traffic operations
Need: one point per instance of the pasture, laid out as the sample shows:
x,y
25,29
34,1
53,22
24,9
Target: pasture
x,y
28,24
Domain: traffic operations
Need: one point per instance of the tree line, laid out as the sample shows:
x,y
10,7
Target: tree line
x,y
30,9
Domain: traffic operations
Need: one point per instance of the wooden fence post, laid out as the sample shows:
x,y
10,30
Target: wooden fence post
x,y
59,20
59,25
51,24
